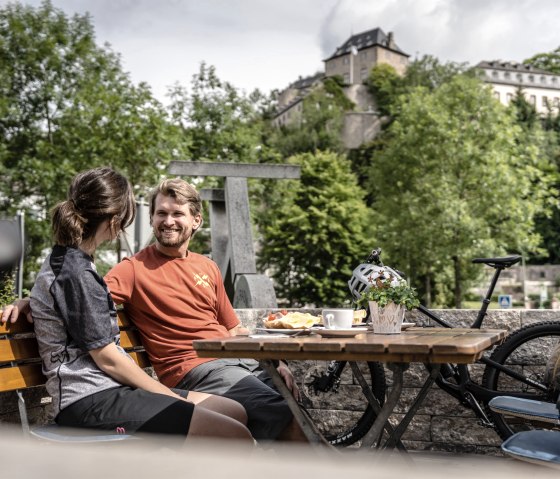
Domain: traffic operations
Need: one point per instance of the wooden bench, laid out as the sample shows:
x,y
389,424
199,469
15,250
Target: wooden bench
x,y
20,369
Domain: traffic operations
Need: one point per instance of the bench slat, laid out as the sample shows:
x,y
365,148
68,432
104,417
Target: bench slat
x,y
20,326
141,358
18,349
21,377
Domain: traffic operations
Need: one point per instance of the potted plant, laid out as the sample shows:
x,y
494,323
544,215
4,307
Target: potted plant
x,y
388,297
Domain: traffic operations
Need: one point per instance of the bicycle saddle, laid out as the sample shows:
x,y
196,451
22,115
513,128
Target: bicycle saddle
x,y
504,262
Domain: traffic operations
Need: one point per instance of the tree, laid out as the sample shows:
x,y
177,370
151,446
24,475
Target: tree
x,y
457,179
546,61
220,122
318,231
320,125
67,105
430,73
385,84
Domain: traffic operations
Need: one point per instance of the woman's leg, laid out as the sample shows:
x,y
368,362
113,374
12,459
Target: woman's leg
x,y
219,404
207,423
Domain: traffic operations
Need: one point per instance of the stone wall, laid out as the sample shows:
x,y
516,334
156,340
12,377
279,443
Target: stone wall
x,y
440,424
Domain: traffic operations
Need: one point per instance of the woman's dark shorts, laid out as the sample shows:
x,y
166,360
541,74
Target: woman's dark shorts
x,y
127,410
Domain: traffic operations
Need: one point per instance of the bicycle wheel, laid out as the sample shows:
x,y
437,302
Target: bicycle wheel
x,y
534,352
342,413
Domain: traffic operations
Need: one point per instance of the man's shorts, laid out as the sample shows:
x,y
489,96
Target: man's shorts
x,y
127,410
245,382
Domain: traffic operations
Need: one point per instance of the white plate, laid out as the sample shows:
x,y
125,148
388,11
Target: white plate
x,y
407,325
288,332
340,333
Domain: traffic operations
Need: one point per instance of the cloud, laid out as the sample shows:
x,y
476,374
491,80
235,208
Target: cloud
x,y
452,30
268,44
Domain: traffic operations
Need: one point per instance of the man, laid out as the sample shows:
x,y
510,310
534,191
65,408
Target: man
x,y
175,296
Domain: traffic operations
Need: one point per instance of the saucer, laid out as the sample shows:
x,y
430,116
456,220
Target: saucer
x,y
340,333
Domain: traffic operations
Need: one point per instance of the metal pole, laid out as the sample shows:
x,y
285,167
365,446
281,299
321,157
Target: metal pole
x,y
19,280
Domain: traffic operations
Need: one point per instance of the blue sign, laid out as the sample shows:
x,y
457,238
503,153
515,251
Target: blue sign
x,y
504,300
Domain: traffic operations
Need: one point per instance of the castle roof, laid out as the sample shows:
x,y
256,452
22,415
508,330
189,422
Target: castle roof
x,y
365,40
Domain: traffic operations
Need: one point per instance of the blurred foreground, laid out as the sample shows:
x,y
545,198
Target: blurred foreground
x,y
152,459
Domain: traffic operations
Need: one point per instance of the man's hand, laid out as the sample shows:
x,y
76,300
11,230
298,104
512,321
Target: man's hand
x,y
239,331
19,307
288,378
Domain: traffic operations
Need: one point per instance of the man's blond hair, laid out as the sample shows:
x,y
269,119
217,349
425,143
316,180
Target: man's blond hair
x,y
181,191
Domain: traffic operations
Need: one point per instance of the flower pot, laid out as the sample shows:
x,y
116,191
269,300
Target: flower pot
x,y
386,320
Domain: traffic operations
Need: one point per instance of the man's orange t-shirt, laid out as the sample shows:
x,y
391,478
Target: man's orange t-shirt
x,y
172,301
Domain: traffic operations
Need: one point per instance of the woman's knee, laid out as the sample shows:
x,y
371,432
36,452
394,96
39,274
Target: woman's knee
x,y
208,423
225,406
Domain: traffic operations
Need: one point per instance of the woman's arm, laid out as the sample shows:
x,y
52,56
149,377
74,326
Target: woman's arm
x,y
125,371
20,307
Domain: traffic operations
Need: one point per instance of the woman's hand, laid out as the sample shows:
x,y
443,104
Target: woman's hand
x,y
20,307
288,378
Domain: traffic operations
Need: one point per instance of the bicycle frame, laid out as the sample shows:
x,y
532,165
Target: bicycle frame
x,y
463,388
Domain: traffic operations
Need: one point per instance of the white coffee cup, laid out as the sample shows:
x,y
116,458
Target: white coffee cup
x,y
338,318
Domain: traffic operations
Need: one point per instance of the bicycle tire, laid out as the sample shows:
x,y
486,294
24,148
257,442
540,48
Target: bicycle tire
x,y
526,350
345,416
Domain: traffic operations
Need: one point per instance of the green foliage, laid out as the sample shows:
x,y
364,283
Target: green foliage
x,y
457,179
525,113
546,61
7,290
312,231
320,125
387,289
541,130
66,105
428,72
384,83
220,123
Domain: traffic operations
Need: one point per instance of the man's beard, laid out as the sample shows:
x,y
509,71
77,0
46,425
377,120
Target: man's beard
x,y
179,239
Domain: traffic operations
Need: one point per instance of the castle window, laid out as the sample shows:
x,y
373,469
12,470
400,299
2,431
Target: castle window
x,y
543,79
533,100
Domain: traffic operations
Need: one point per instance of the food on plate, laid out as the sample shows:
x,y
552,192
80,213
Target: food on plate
x,y
290,320
359,316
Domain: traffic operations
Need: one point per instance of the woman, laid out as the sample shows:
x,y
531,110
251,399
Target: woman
x,y
93,382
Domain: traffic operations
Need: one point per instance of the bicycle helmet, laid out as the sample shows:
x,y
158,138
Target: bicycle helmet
x,y
364,276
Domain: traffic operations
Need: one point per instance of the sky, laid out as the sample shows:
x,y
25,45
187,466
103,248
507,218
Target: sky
x,y
268,44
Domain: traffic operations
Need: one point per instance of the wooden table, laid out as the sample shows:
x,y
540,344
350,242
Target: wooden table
x,y
433,346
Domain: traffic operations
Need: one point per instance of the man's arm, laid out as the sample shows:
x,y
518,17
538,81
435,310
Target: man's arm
x,y
120,281
239,330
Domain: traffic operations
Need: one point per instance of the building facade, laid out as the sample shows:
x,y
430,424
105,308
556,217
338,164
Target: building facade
x,y
355,58
541,88
352,61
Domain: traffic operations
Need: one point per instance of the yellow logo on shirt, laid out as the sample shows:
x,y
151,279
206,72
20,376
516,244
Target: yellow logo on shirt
x,y
202,279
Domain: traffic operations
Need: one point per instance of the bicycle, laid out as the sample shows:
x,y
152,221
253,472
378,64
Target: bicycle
x,y
514,368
